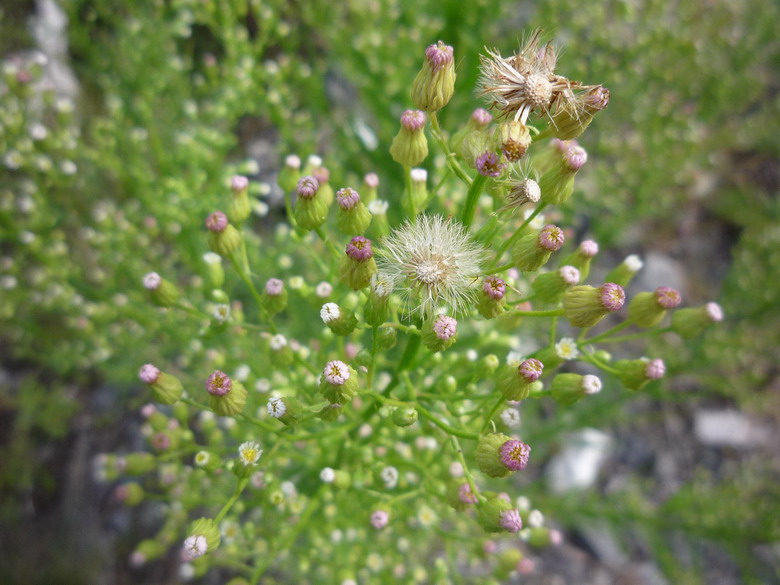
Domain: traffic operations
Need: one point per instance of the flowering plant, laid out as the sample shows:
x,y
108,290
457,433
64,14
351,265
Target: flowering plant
x,y
394,416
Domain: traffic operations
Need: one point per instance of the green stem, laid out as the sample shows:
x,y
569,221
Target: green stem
x,y
519,232
255,294
372,363
632,336
493,411
324,237
500,268
466,472
438,135
606,334
472,199
237,494
444,426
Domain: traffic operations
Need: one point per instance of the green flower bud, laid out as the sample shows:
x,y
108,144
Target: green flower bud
x,y
507,562
274,297
574,115
291,171
513,138
404,416
239,207
434,85
439,332
353,216
203,537
569,388
331,412
490,299
410,146
634,374
498,515
139,463
584,305
339,383
167,389
387,337
624,272
557,184
340,320
689,323
515,383
649,308
130,494
311,209
460,496
285,408
551,286
358,266
162,293
370,188
478,122
533,250
223,238
226,397
207,461
581,258
487,455
415,197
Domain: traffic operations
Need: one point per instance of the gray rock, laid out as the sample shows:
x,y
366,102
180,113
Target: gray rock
x,y
730,428
577,466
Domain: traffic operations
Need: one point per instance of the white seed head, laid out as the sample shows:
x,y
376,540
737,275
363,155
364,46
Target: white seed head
x,y
194,546
510,417
276,407
278,342
378,207
433,261
633,263
324,290
327,475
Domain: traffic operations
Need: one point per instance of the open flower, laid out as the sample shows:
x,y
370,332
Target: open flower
x,y
433,261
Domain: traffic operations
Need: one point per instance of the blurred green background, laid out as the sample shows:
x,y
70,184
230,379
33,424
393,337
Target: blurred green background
x,y
113,150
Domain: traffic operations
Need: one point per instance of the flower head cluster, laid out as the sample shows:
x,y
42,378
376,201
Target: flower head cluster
x,y
434,261
249,453
336,372
514,454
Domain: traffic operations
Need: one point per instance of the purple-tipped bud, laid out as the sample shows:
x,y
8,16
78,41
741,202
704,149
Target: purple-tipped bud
x,y
413,120
597,98
667,297
569,275
531,370
218,383
347,198
379,519
481,117
563,145
494,287
465,494
514,454
612,296
336,372
439,55
359,248
551,238
217,222
575,158
307,187
510,521
152,281
589,248
322,174
371,180
445,327
148,374
238,183
655,369
714,312
274,287
489,164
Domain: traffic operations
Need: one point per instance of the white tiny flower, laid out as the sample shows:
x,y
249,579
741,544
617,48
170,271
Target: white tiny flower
x,y
374,562
456,469
434,262
68,167
378,206
523,503
284,261
426,516
714,312
260,208
288,489
242,373
276,407
535,518
591,384
186,572
263,385
296,282
314,161
566,349
27,237
221,313
330,312
472,355
419,175
633,263
249,453
278,342
389,475
194,546
8,282
38,132
292,160
514,359
324,290
510,417
211,258
327,475
152,281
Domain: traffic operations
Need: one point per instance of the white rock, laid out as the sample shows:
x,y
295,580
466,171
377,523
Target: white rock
x,y
729,428
577,466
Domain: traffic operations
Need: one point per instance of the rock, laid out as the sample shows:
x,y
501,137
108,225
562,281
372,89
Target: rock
x,y
730,428
577,466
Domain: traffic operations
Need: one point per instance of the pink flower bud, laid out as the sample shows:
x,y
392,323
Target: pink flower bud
x,y
667,297
218,383
575,158
611,296
439,55
347,198
481,117
514,454
655,369
216,222
238,183
489,164
152,281
494,287
148,374
379,519
589,248
531,370
359,248
413,120
445,327
551,238
307,187
274,287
